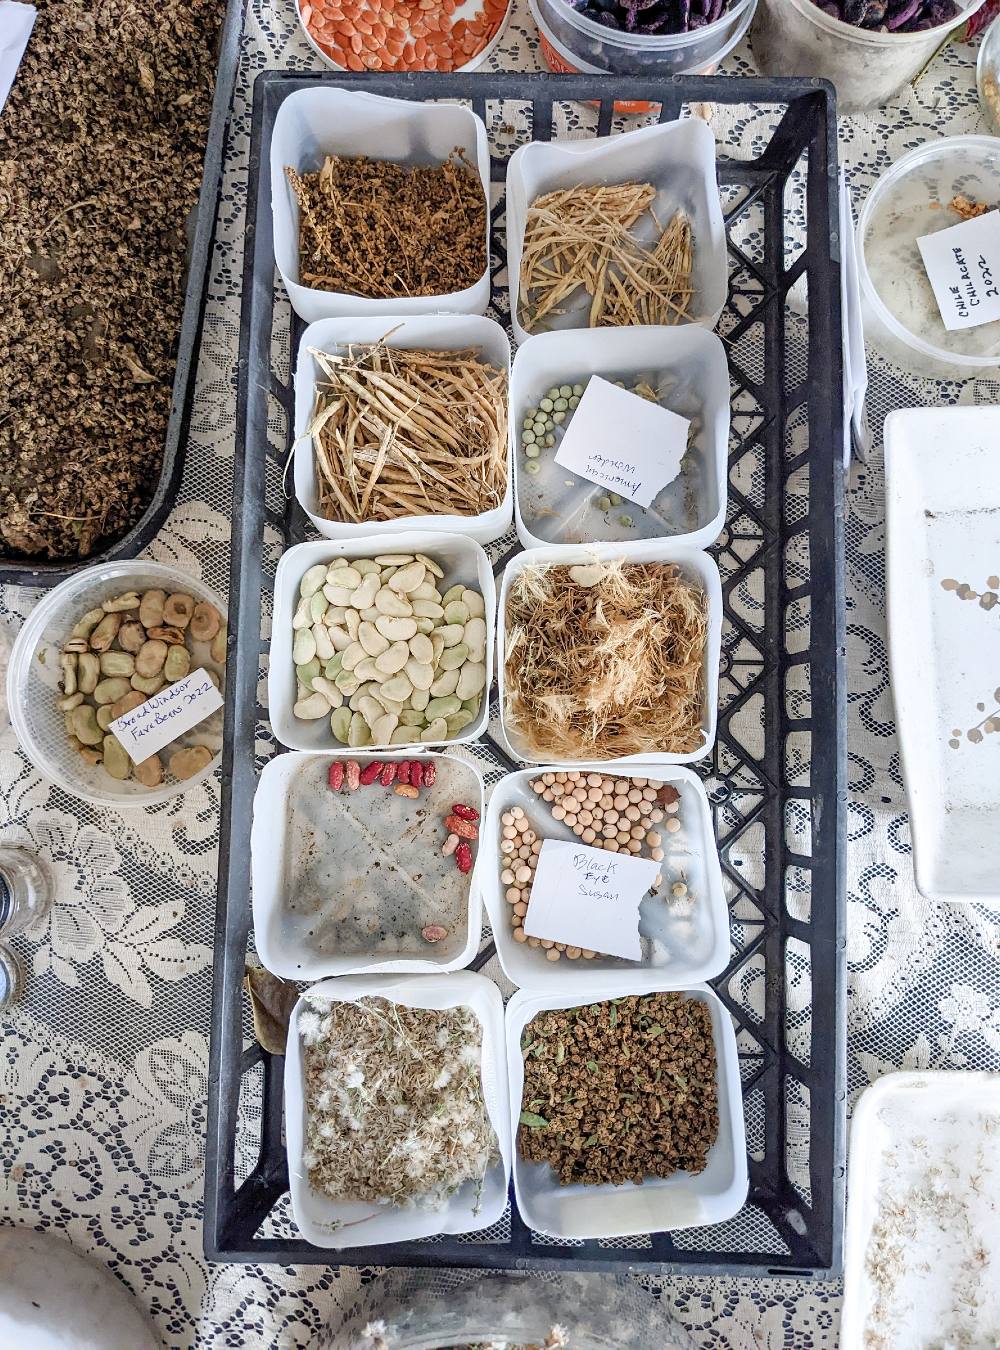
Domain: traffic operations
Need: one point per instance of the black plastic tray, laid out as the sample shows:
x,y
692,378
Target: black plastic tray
x,y
777,774
201,237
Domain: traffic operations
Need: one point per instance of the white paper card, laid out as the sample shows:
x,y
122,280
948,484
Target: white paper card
x,y
590,898
963,266
16,23
167,715
623,442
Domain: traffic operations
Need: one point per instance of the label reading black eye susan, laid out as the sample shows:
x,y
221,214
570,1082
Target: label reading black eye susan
x,y
963,267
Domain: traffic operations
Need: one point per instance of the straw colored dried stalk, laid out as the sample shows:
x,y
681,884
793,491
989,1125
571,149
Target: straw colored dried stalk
x,y
399,432
394,1102
605,659
581,238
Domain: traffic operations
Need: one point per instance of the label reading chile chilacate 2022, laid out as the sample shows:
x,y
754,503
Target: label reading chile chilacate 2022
x,y
963,267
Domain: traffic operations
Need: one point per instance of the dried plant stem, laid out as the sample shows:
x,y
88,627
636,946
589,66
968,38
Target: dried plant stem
x,y
402,432
605,660
581,238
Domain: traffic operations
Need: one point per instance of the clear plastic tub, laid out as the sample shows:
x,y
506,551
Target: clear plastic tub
x,y
466,9
901,315
590,47
796,37
33,683
988,74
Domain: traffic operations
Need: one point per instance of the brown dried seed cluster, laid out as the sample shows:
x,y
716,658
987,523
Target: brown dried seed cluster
x,y
101,149
615,814
620,1091
124,651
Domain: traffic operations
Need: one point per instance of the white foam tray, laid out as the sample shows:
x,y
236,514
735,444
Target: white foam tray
x,y
336,1224
694,565
462,559
681,950
660,1203
441,332
318,858
942,469
678,158
687,360
314,123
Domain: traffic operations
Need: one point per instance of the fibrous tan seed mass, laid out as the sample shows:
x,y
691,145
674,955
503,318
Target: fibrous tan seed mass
x,y
383,230
101,149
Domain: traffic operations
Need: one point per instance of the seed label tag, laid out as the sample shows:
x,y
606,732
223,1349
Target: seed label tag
x,y
623,442
167,715
963,267
590,898
16,23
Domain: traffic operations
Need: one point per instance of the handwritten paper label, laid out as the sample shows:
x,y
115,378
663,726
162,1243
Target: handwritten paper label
x,y
16,23
588,898
963,267
167,715
623,442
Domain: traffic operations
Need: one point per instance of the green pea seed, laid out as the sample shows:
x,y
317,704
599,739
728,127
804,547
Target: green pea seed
x,y
528,437
565,390
624,520
578,390
533,451
546,405
560,405
554,391
603,503
558,418
574,402
532,467
615,499
550,441
540,427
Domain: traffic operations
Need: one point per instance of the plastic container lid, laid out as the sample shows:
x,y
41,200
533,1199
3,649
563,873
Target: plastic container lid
x,y
911,200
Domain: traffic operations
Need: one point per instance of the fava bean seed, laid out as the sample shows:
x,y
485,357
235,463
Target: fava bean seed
x,y
150,772
109,691
147,685
117,663
189,761
85,727
177,664
178,610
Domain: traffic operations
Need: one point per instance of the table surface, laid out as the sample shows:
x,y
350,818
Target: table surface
x,y
105,1060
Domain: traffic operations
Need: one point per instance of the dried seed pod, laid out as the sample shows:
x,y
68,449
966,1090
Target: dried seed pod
x,y
150,772
189,761
131,636
105,632
151,608
178,610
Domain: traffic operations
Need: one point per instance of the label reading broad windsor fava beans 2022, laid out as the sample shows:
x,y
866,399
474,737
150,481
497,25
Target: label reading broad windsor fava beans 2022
x,y
166,715
963,267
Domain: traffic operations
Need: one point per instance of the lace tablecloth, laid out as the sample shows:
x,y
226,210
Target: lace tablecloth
x,y
105,1060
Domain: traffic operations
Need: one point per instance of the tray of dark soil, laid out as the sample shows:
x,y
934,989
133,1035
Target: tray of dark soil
x,y
775,777
108,191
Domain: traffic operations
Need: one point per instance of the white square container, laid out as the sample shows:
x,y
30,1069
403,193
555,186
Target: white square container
x,y
680,950
442,332
694,565
678,158
660,1203
689,366
461,559
306,841
327,1222
314,123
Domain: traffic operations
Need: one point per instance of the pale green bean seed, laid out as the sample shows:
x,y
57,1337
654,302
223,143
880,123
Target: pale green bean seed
x,y
456,611
318,605
453,657
419,699
475,603
340,724
437,731
459,721
443,707
403,735
312,581
304,646
334,666
453,593
410,717
445,684
360,733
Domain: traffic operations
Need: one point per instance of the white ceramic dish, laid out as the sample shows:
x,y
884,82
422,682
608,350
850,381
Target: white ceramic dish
x,y
440,332
694,565
660,1203
344,882
925,1147
33,683
943,515
678,158
327,1222
313,123
461,559
687,368
685,948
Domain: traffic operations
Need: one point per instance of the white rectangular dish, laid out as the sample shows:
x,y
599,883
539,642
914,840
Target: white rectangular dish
x,y
660,1203
314,123
678,158
685,945
461,559
687,368
439,332
922,1249
942,469
694,565
336,1224
344,882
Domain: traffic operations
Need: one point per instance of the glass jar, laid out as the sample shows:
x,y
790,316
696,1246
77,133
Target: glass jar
x,y
25,895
